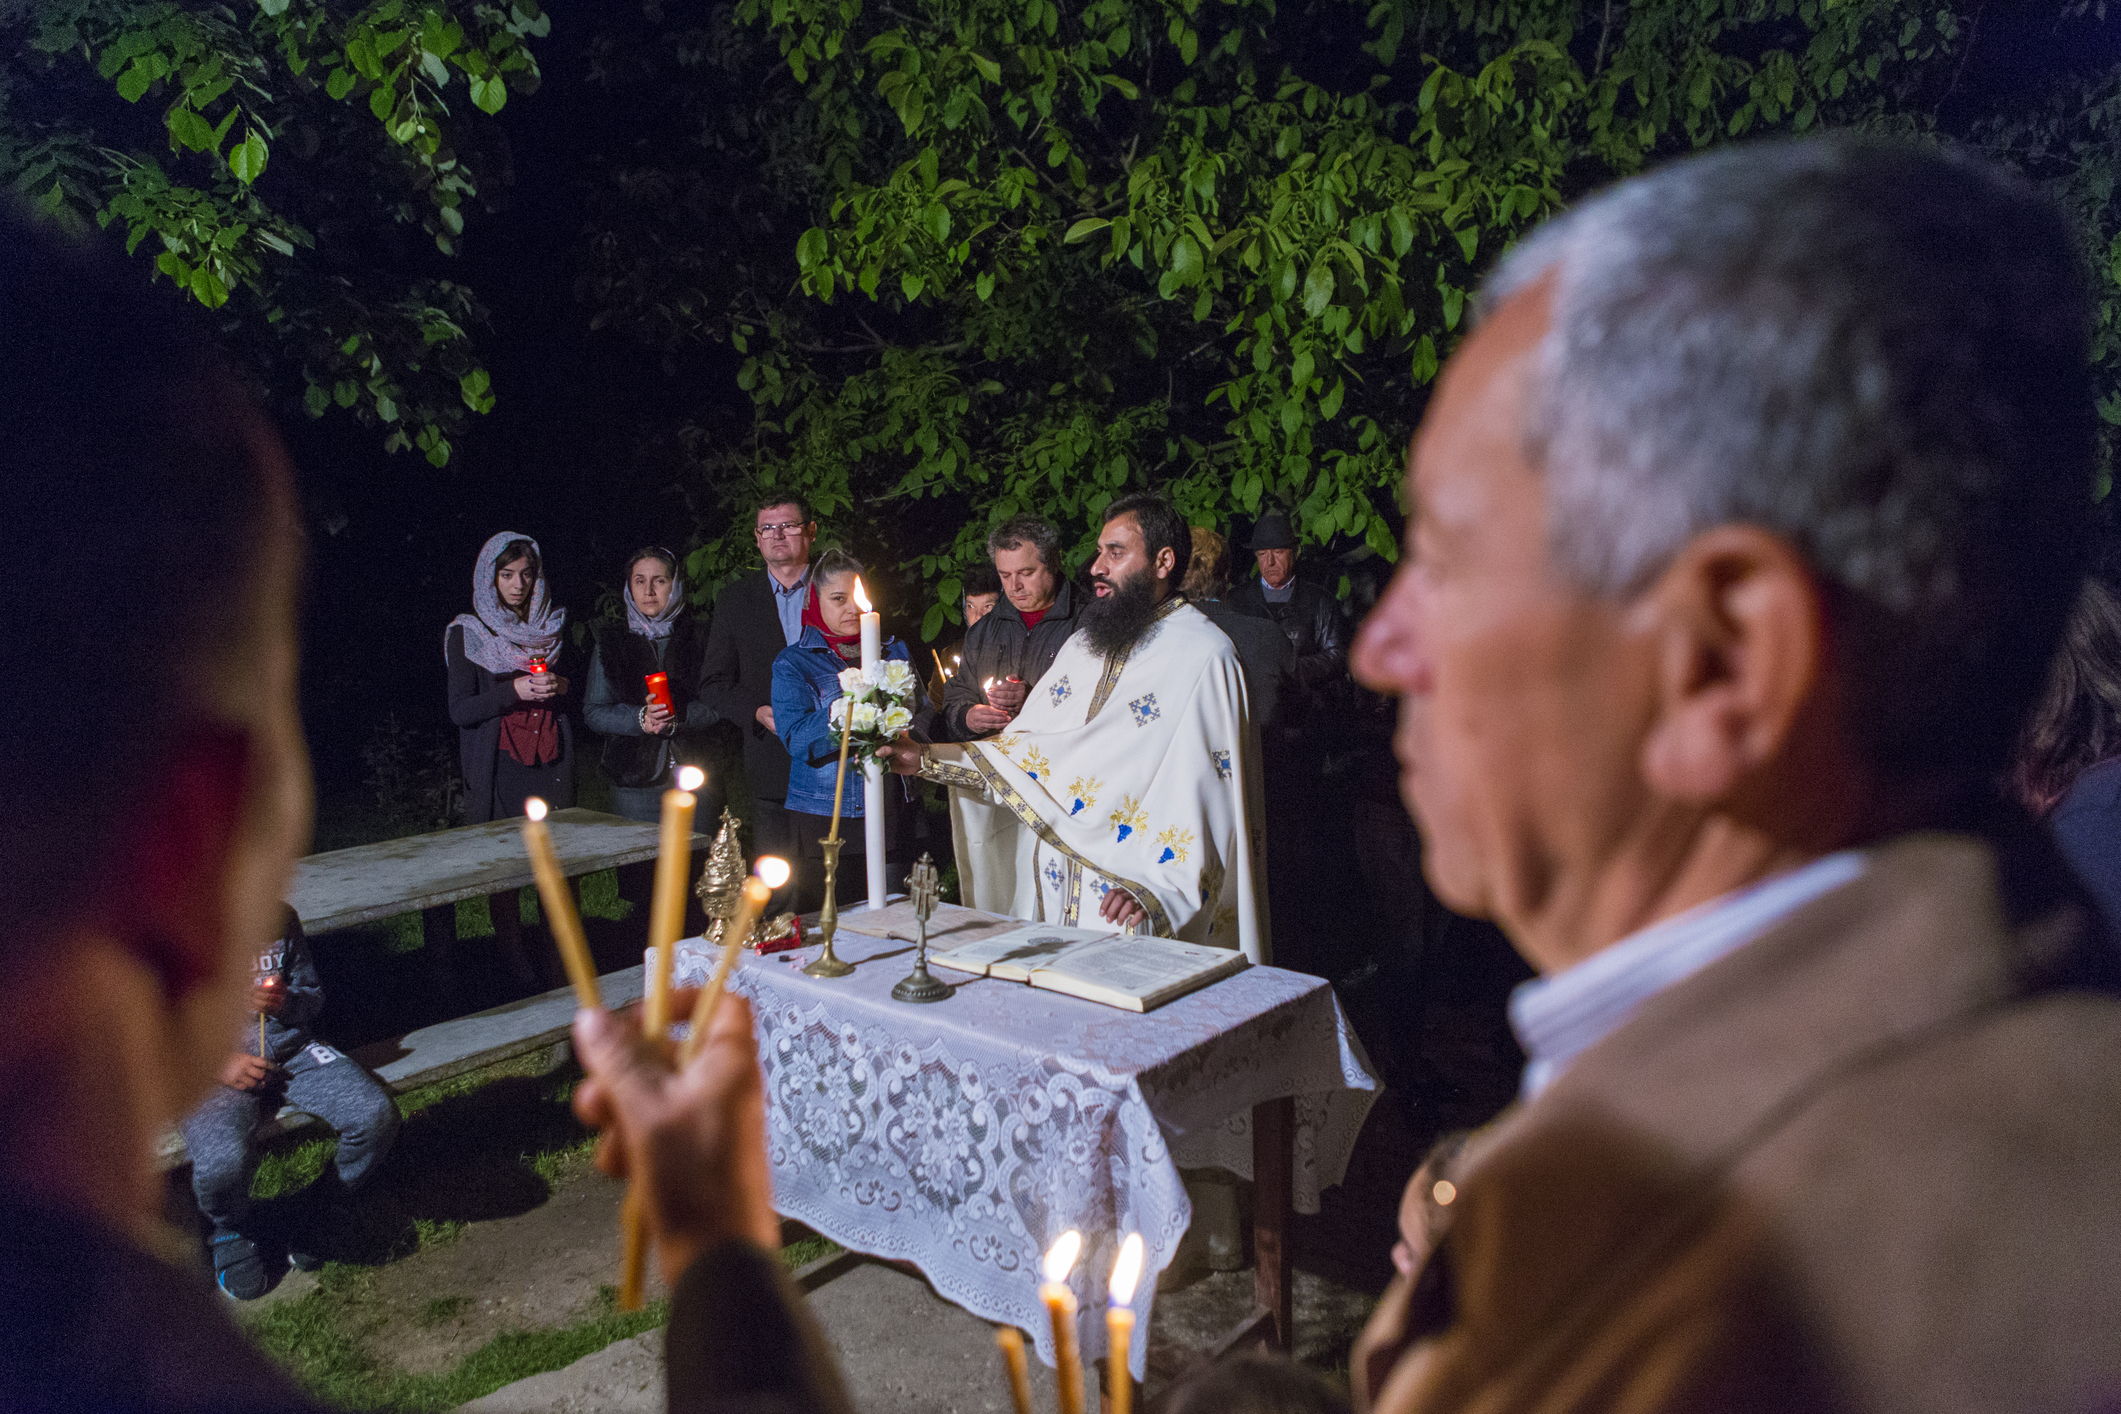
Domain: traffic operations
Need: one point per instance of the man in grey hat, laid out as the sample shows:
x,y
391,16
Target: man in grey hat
x,y
1308,615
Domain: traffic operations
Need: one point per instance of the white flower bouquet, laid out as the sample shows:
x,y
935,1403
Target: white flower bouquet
x,y
881,700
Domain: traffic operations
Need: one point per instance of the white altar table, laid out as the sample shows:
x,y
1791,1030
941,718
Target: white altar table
x,y
963,1136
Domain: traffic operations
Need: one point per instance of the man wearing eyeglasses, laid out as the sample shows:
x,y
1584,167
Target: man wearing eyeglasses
x,y
755,617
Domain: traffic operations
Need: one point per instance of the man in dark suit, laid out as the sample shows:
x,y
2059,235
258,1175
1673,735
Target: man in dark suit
x,y
755,617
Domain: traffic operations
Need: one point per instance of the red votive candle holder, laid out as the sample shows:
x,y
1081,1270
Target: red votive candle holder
x,y
659,692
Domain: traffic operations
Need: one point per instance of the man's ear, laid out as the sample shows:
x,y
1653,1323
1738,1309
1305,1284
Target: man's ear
x,y
171,903
1738,624
1166,561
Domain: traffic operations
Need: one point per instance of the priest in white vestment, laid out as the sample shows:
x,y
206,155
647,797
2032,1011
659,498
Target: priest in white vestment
x,y
1127,789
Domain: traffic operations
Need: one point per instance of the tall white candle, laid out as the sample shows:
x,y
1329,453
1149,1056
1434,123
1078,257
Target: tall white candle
x,y
872,773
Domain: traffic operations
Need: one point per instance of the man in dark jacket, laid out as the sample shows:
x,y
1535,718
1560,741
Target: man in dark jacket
x,y
755,617
1304,612
1262,650
1007,652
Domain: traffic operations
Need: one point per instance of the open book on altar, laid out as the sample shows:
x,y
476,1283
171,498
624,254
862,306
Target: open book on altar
x,y
1131,972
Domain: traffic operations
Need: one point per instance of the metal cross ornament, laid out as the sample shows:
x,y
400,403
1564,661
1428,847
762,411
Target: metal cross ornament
x,y
923,889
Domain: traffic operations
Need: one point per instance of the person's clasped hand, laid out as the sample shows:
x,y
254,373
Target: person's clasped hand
x,y
248,1073
536,687
694,1142
1008,694
656,720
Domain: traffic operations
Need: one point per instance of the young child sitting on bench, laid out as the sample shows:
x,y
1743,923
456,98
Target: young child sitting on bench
x,y
281,1062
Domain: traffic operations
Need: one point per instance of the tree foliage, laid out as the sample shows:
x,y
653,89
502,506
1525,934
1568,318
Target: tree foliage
x,y
265,153
1044,254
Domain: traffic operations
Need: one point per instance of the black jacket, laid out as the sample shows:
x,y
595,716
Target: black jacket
x,y
999,646
1263,653
477,702
631,756
737,677
1313,623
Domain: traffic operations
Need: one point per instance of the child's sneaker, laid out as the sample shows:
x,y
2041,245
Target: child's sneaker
x,y
240,1269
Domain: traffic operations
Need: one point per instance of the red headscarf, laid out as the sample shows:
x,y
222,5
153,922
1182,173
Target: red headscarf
x,y
847,645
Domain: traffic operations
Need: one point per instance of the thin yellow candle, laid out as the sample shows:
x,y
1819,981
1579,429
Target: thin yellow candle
x,y
1119,1323
1011,1341
839,786
1060,1310
558,899
772,873
666,911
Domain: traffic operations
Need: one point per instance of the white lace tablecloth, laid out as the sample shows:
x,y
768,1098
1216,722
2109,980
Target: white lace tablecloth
x,y
963,1136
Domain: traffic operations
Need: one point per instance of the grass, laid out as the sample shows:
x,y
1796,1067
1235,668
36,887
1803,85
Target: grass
x,y
319,1338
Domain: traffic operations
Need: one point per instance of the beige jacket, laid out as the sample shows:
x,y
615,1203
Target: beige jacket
x,y
1869,1161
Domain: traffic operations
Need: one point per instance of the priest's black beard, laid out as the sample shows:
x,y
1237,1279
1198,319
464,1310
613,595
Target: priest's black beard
x,y
1116,622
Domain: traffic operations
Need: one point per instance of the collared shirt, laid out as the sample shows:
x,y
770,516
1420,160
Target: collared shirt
x,y
1279,596
1559,1017
789,600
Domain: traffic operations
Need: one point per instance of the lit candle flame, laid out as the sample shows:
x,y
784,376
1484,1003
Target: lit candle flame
x,y
773,871
691,778
1060,1257
534,808
1127,1270
861,598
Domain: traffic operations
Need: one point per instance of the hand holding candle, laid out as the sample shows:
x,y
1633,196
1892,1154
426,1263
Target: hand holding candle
x,y
1119,1323
1060,1310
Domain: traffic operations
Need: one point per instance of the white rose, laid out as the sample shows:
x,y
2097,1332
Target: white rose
x,y
896,720
850,680
898,678
865,716
838,714
877,676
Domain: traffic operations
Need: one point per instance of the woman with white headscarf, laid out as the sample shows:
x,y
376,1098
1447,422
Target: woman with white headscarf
x,y
509,695
645,742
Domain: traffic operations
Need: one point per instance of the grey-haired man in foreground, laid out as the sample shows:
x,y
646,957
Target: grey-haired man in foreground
x,y
1745,525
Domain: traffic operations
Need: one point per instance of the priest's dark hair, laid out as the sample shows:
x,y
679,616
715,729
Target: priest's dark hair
x,y
123,441
1163,528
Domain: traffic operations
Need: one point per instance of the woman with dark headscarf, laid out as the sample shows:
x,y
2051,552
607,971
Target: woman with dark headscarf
x,y
509,695
645,743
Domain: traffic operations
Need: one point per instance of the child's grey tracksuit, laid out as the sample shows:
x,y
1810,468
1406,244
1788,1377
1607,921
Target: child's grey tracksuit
x,y
317,1080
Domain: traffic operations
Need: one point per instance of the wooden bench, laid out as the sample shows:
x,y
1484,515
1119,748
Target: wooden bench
x,y
451,1048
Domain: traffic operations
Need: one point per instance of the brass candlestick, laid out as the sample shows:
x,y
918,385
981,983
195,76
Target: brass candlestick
x,y
828,963
923,887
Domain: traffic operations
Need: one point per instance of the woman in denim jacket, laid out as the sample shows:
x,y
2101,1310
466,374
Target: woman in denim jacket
x,y
806,682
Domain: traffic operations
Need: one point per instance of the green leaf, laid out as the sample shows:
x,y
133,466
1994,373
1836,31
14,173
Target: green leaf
x,y
988,69
984,286
382,101
207,289
1318,289
247,159
386,407
346,392
135,81
1300,371
1186,261
932,622
488,95
1468,241
340,83
1401,227
273,8
1329,405
189,129
315,400
912,285
1084,229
